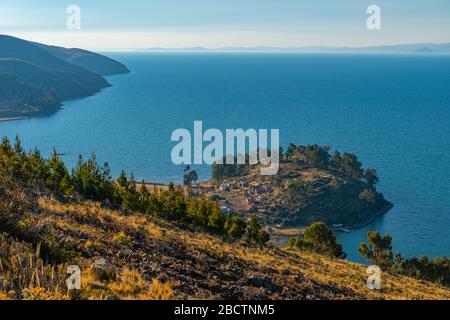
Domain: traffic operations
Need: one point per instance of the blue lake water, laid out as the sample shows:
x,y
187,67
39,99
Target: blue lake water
x,y
393,111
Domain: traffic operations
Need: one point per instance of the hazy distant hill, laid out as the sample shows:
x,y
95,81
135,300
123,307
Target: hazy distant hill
x,y
89,60
443,48
50,69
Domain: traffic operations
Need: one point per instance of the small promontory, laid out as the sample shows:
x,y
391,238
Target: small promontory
x,y
311,185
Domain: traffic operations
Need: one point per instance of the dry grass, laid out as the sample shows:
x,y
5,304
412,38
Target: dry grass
x,y
24,274
3,296
129,285
333,272
106,231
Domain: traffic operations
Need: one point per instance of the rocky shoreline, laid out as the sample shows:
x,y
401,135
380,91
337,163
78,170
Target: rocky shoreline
x,y
376,215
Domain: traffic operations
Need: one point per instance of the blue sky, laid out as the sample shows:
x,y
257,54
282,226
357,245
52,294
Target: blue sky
x,y
214,23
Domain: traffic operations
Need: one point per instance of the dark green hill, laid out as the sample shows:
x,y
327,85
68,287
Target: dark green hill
x,y
20,98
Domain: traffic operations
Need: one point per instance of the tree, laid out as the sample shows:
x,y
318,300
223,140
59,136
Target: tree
x,y
371,176
351,166
336,160
189,176
253,228
18,147
378,250
224,170
290,150
125,192
234,227
91,180
263,237
435,270
319,238
317,156
144,198
216,220
36,168
59,179
255,233
368,195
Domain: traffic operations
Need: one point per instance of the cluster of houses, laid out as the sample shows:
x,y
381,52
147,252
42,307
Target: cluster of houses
x,y
254,194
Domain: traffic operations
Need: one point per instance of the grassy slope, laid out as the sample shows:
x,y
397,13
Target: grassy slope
x,y
161,260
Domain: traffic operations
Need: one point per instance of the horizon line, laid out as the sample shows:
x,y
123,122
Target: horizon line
x,y
387,48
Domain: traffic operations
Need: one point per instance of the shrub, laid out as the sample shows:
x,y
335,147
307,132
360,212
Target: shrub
x,y
255,233
235,227
320,239
91,180
378,250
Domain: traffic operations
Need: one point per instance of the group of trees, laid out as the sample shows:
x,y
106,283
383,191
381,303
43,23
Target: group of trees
x,y
224,170
378,251
347,163
320,239
93,181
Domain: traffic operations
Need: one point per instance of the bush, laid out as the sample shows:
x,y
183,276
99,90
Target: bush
x,y
316,155
59,179
378,250
254,232
125,194
235,227
320,239
368,195
91,180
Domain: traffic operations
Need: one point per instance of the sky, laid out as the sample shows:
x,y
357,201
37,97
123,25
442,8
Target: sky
x,y
141,24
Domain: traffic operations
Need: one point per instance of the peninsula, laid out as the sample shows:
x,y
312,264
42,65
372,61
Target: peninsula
x,y
35,78
312,185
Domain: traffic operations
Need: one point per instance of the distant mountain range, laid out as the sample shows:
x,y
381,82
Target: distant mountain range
x,y
404,48
36,78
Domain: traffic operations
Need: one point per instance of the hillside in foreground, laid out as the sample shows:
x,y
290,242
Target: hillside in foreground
x,y
155,259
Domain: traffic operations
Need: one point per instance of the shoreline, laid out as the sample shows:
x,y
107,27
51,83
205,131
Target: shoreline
x,y
376,215
291,232
59,107
34,114
7,119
